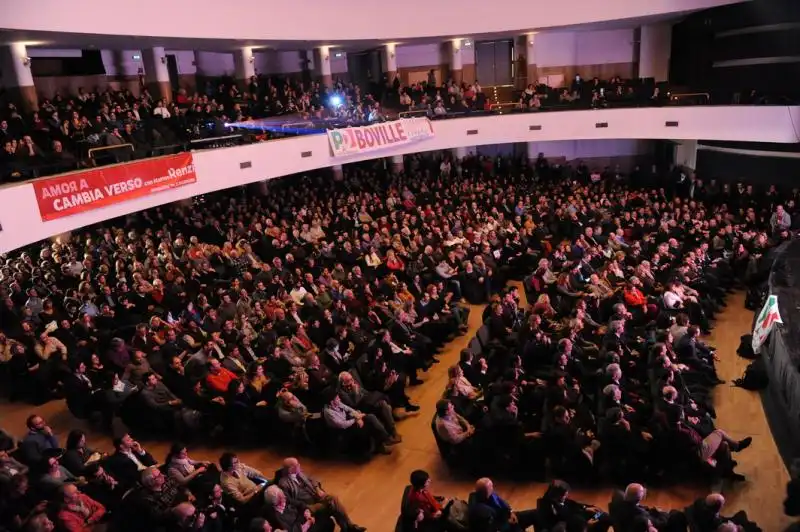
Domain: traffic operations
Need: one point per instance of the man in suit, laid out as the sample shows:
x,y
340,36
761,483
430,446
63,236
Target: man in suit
x,y
626,510
488,512
303,491
128,461
705,515
39,439
283,515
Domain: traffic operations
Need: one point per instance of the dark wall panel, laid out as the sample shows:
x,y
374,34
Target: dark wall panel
x,y
761,170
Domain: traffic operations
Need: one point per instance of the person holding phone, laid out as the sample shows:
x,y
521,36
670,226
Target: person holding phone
x,y
556,507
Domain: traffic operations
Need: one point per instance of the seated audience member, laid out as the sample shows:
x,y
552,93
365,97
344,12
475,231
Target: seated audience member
x,y
284,515
242,484
706,516
39,439
303,491
556,508
355,396
454,429
198,476
150,504
489,512
128,461
627,509
77,456
340,417
78,512
421,506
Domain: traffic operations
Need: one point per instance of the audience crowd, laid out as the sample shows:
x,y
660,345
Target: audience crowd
x,y
59,135
302,317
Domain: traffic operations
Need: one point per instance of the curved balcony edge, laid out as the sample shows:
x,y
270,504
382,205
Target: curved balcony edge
x,y
218,169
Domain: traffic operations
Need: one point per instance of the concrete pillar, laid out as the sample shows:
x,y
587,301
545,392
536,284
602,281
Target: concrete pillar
x,y
397,164
259,188
322,64
463,151
686,154
530,59
655,44
61,238
245,65
156,73
338,173
389,58
456,64
17,76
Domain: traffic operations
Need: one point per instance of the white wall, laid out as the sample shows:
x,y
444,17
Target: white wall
x,y
185,59
655,51
338,64
686,154
122,62
588,149
221,168
417,55
53,52
279,62
215,64
568,48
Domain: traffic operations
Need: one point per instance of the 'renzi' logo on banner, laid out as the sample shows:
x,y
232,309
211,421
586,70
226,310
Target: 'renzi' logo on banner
x,y
91,189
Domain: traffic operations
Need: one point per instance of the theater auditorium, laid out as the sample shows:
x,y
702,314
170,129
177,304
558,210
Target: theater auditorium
x,y
493,267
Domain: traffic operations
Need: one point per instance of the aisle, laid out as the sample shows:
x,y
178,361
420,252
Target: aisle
x,y
372,491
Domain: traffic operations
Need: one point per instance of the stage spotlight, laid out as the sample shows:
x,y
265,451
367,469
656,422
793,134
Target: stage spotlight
x,y
335,101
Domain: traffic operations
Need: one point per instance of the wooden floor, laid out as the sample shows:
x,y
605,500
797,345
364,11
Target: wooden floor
x,y
372,491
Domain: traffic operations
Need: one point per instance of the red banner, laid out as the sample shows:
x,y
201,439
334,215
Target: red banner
x,y
91,189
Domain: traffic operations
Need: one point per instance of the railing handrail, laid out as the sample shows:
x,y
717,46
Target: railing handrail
x,y
298,124
92,151
494,106
412,113
212,139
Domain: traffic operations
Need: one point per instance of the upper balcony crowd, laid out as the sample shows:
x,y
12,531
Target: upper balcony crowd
x,y
68,128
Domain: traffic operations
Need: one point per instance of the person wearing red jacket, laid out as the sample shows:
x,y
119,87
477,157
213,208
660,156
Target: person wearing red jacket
x,y
78,512
635,299
219,378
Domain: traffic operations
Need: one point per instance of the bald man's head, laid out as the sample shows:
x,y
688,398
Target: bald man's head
x,y
68,491
715,501
184,512
634,493
292,465
485,485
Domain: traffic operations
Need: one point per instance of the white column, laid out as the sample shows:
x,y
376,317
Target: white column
x,y
244,63
322,65
389,58
16,73
156,73
686,154
338,173
531,74
655,43
397,164
463,151
533,151
155,65
17,76
456,64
